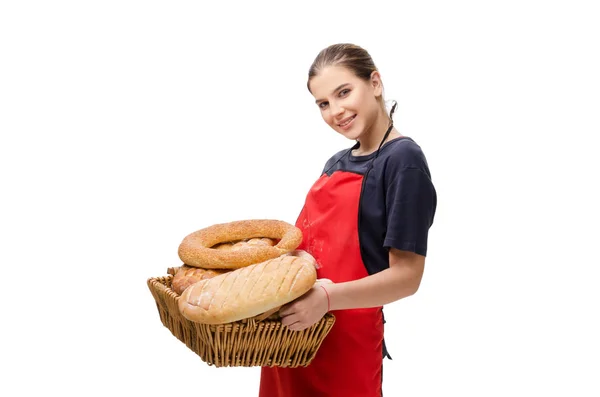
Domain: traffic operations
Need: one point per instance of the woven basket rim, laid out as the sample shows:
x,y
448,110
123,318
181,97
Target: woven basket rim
x,y
245,343
169,291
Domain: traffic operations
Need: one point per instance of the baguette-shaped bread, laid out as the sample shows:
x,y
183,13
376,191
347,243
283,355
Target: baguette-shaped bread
x,y
248,291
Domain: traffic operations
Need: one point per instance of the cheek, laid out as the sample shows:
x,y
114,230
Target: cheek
x,y
367,107
354,104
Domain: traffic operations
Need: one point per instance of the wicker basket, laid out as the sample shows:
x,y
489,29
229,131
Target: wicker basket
x,y
245,343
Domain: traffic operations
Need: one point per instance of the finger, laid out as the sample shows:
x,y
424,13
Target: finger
x,y
294,326
287,310
289,320
297,326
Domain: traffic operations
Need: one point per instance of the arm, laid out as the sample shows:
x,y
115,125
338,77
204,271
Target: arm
x,y
402,279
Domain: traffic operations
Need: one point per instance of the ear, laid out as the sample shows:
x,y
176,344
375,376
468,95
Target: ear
x,y
376,83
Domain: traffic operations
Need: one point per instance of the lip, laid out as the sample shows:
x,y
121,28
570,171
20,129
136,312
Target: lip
x,y
345,120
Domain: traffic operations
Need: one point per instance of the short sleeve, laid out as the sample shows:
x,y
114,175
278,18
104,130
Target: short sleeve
x,y
411,202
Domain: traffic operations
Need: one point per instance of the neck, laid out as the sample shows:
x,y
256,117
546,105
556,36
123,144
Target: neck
x,y
371,139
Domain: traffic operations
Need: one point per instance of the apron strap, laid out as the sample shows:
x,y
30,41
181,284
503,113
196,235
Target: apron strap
x,y
385,136
385,351
387,133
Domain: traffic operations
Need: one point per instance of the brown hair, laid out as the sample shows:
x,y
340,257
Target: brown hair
x,y
353,57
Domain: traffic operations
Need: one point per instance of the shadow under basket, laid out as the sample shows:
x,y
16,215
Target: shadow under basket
x,y
244,343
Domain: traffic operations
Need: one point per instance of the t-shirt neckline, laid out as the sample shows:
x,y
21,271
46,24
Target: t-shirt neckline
x,y
369,156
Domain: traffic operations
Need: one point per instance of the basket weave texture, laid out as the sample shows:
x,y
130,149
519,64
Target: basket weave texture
x,y
245,343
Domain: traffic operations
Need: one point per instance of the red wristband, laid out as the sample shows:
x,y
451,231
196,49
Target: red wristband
x,y
328,301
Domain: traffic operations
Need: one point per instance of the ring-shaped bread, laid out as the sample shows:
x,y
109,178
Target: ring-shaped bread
x,y
195,249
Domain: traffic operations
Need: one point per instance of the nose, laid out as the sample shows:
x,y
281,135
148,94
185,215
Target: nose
x,y
336,109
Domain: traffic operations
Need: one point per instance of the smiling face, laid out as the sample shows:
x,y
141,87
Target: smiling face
x,y
348,104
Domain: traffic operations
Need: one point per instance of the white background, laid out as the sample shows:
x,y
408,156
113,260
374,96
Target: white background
x,y
126,125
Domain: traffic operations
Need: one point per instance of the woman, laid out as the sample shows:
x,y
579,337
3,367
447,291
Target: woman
x,y
366,222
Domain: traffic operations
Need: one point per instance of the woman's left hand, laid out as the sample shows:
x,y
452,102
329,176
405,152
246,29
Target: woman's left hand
x,y
306,310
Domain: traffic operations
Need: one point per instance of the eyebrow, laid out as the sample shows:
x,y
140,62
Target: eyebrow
x,y
334,91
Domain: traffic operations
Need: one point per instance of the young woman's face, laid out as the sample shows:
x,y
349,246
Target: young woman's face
x,y
347,103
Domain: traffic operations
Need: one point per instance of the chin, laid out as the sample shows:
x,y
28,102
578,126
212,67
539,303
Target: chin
x,y
352,134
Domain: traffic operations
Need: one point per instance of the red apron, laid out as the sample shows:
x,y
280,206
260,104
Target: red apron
x,y
349,361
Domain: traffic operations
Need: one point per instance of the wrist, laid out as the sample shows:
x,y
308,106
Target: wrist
x,y
327,297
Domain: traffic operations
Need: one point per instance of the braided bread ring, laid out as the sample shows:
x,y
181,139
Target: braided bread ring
x,y
195,249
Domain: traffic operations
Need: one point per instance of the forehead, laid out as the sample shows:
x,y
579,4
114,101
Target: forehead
x,y
330,78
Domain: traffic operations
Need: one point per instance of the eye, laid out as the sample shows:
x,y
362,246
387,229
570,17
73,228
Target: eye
x,y
323,105
344,92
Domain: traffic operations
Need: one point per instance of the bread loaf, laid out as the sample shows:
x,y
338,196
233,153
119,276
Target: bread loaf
x,y
247,243
187,275
197,250
248,291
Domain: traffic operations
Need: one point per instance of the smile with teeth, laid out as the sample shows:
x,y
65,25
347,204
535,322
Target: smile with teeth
x,y
345,123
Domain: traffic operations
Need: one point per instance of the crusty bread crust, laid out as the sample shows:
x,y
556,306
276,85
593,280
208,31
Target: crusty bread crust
x,y
248,291
187,275
196,248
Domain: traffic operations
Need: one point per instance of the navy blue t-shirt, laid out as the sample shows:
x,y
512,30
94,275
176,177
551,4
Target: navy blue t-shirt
x,y
397,201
